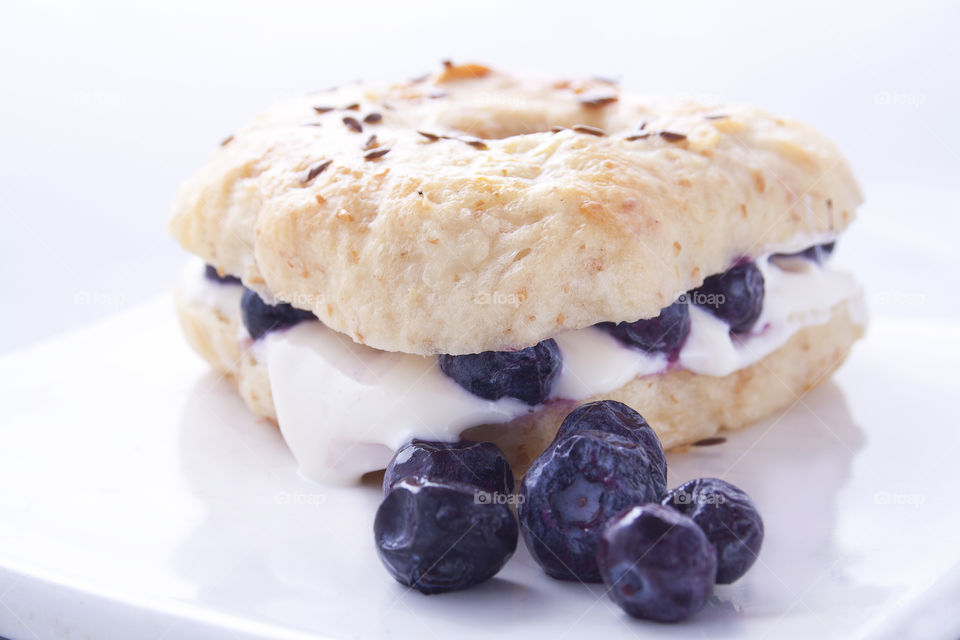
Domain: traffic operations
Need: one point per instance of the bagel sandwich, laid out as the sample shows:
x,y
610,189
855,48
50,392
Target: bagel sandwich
x,y
471,254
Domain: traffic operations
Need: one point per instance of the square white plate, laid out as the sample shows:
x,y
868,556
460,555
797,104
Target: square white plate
x,y
140,499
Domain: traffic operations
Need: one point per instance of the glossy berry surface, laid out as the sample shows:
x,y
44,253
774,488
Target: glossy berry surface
x,y
735,296
481,464
619,419
436,537
260,317
664,334
728,517
573,489
527,374
657,563
210,272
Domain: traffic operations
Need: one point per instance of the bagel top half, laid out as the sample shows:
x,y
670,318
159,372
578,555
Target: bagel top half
x,y
470,210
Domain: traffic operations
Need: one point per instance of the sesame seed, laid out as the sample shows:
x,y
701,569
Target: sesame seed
x,y
372,118
376,153
476,143
672,136
353,124
314,171
323,109
593,131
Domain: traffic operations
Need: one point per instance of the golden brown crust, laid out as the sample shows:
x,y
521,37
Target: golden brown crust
x,y
681,406
454,245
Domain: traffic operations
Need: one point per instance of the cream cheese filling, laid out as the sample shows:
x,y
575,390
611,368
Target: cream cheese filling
x,y
344,408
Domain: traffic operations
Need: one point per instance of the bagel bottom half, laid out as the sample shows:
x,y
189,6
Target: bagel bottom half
x,y
681,406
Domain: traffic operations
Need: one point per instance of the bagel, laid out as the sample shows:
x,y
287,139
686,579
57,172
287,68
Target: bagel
x,y
470,212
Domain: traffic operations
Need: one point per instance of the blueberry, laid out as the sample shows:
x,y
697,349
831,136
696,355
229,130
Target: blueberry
x,y
617,418
526,374
735,296
657,563
817,253
438,537
664,334
260,317
573,489
728,517
480,464
211,274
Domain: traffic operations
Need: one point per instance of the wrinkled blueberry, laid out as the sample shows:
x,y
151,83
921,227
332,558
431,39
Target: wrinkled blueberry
x,y
260,317
657,563
817,253
480,464
664,334
211,274
728,517
573,489
438,537
526,374
617,418
735,296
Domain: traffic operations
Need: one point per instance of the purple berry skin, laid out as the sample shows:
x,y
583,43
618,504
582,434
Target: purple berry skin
x,y
481,464
728,517
527,374
437,537
657,563
260,318
573,489
210,272
619,419
735,296
664,334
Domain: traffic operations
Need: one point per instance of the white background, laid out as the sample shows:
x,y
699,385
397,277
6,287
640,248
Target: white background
x,y
106,106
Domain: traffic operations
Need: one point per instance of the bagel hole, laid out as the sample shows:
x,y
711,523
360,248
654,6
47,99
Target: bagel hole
x,y
497,129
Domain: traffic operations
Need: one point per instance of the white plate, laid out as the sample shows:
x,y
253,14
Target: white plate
x,y
140,499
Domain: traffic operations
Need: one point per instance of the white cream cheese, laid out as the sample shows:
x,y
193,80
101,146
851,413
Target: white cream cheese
x,y
343,408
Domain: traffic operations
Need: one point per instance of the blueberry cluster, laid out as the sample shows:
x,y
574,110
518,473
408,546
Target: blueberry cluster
x,y
735,296
593,507
604,459
442,525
